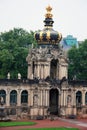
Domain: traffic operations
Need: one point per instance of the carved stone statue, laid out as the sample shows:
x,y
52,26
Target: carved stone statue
x,y
19,76
8,75
35,100
69,100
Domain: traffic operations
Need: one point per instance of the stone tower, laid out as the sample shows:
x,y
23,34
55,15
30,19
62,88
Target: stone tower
x,y
47,60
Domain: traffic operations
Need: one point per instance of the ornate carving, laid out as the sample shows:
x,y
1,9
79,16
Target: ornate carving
x,y
49,15
1,100
35,100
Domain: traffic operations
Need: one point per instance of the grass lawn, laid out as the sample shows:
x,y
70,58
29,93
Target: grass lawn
x,y
5,124
52,129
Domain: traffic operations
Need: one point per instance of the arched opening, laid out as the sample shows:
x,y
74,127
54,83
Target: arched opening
x,y
86,98
2,96
24,96
53,101
13,97
78,98
54,68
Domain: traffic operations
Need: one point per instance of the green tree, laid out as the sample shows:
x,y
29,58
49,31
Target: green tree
x,y
78,62
14,47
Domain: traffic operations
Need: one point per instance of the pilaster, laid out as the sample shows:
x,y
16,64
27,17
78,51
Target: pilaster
x,y
8,97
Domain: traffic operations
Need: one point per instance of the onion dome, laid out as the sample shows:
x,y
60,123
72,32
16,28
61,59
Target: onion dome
x,y
48,35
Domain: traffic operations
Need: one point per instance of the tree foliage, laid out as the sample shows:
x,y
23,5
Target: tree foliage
x,y
78,62
14,47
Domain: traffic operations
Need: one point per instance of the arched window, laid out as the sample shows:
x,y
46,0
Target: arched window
x,y
3,96
24,97
86,98
13,97
78,97
54,68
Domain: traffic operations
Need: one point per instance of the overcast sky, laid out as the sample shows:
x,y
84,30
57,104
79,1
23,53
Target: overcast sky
x,y
70,16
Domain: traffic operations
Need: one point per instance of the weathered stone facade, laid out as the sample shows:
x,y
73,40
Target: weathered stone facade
x,y
46,91
44,98
47,62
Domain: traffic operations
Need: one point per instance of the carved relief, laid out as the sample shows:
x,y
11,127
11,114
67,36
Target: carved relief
x,y
69,99
35,100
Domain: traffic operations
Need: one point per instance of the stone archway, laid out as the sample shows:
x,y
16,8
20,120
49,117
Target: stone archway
x,y
53,101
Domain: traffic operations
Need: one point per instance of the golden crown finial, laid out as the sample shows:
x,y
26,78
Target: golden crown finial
x,y
48,8
48,14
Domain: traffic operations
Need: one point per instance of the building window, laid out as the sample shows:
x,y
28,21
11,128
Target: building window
x,y
13,97
2,96
24,97
78,98
54,68
86,98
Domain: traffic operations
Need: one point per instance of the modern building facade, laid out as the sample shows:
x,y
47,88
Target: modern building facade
x,y
69,41
46,91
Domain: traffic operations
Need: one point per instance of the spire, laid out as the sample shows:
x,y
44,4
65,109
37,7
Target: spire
x,y
48,14
48,17
48,35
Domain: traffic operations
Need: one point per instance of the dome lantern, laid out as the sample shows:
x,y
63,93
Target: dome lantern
x,y
48,35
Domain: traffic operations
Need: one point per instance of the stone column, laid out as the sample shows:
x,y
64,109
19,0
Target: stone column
x,y
74,98
38,71
43,71
29,100
59,99
83,97
28,75
41,97
8,97
46,98
46,72
64,98
38,97
29,71
57,71
60,73
71,97
19,97
47,69
35,71
74,102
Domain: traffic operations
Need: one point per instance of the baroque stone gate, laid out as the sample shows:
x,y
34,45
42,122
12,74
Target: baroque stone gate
x,y
46,91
